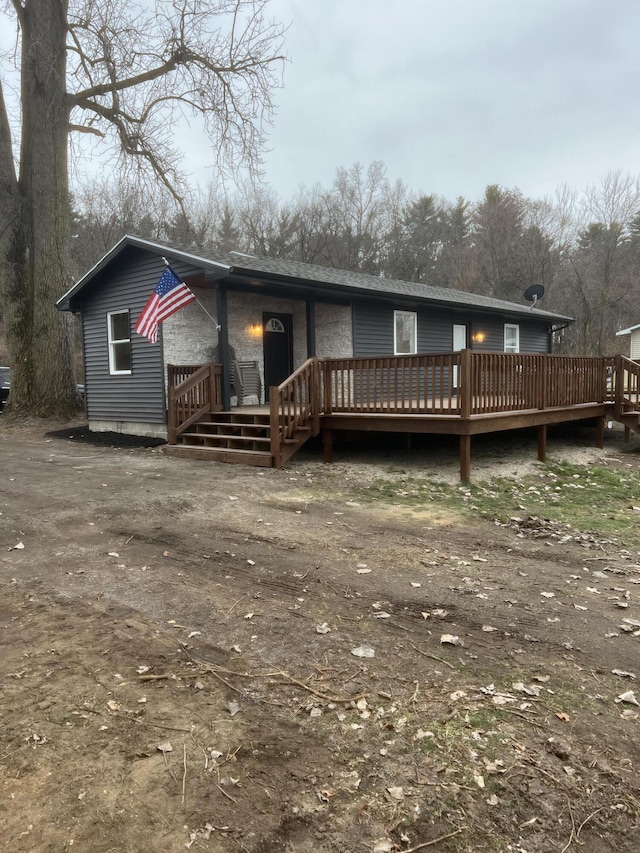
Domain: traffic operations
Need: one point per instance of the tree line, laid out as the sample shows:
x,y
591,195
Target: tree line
x,y
583,247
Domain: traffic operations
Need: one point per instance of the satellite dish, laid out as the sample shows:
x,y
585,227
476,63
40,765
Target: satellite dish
x,y
533,293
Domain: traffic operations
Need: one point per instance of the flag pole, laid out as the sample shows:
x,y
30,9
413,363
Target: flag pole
x,y
213,320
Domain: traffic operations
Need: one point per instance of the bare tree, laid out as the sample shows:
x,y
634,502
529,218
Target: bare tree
x,y
600,272
119,72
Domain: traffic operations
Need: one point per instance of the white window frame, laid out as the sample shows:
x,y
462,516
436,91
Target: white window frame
x,y
414,316
113,342
512,347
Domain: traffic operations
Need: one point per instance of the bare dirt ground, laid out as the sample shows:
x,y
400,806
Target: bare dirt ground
x,y
185,660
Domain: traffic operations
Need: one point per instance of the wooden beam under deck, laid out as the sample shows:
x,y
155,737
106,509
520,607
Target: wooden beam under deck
x,y
464,427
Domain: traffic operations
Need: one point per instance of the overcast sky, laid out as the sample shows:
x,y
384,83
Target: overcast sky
x,y
453,95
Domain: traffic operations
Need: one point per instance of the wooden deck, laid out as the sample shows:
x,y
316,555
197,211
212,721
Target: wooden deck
x,y
462,393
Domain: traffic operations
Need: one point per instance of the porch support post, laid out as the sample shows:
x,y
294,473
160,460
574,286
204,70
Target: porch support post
x,y
542,443
465,458
627,434
311,328
223,342
327,444
600,432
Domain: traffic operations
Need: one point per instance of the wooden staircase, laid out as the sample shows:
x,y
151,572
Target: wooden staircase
x,y
235,437
198,428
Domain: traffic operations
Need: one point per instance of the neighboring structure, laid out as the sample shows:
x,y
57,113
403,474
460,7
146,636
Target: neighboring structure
x,y
275,313
634,342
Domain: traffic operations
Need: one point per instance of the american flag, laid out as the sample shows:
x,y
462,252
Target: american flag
x,y
170,296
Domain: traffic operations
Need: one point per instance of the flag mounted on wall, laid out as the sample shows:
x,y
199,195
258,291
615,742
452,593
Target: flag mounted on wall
x,y
171,294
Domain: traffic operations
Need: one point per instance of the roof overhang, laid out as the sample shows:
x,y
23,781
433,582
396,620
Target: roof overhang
x,y
218,269
628,331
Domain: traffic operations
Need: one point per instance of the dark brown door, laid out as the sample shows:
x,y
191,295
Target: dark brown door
x,y
277,340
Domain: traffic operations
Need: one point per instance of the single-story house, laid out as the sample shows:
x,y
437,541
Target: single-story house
x,y
634,341
268,312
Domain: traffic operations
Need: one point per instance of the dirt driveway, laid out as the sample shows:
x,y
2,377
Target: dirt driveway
x,y
210,657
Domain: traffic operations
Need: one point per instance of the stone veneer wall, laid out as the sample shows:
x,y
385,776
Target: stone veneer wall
x,y
334,331
190,337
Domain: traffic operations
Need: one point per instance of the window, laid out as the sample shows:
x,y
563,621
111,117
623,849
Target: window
x,y
405,332
119,336
511,337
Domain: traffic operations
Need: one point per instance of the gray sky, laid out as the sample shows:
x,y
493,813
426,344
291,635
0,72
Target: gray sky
x,y
453,95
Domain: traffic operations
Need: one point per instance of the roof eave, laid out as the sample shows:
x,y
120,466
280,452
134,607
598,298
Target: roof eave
x,y
373,294
64,303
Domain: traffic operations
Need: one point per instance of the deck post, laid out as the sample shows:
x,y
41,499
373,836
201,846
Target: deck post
x,y
464,383
627,434
465,458
327,445
600,432
545,375
542,443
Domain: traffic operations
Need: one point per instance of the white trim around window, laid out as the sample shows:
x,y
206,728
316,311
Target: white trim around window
x,y
405,332
511,337
119,342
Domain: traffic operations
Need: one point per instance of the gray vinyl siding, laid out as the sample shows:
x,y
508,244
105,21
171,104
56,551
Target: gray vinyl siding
x,y
534,337
373,330
138,397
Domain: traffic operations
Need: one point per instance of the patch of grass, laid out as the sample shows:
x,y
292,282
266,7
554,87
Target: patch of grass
x,y
592,499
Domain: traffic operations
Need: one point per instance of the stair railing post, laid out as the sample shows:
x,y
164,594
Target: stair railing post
x,y
617,406
171,415
274,422
315,395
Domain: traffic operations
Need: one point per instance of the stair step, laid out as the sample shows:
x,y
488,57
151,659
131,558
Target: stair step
x,y
220,454
230,425
196,438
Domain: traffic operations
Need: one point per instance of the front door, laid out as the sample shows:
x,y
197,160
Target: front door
x,y
277,344
459,342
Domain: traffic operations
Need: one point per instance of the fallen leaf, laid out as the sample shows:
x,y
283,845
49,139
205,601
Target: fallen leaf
x,y
363,652
450,640
629,697
562,716
623,674
323,629
396,793
233,708
164,747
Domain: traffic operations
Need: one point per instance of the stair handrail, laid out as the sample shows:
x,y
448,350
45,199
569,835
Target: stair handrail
x,y
197,395
294,408
627,384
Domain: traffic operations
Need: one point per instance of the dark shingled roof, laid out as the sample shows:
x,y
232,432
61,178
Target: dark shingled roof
x,y
237,263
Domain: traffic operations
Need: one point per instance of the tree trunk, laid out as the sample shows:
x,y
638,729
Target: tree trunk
x,y
38,268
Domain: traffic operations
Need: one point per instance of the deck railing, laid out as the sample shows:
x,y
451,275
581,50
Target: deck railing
x,y
413,384
461,384
511,382
193,391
